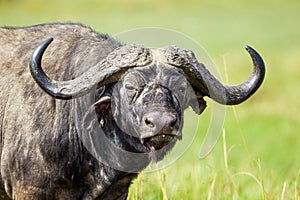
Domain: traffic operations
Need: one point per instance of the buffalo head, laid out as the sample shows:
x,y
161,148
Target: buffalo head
x,y
151,89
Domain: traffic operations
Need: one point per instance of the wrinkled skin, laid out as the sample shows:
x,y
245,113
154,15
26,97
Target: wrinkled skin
x,y
99,100
150,102
42,155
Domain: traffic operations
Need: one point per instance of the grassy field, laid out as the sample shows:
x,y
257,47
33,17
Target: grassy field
x,y
257,155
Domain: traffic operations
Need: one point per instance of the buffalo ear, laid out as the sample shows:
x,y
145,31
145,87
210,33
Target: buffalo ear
x,y
97,112
198,104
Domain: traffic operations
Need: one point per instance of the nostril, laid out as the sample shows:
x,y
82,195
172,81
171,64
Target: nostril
x,y
149,123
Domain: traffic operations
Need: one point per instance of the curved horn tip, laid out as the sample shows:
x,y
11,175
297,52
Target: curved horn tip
x,y
35,67
248,48
253,82
253,52
44,44
39,51
48,41
257,59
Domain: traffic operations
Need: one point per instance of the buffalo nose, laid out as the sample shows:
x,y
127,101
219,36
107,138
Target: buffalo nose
x,y
160,122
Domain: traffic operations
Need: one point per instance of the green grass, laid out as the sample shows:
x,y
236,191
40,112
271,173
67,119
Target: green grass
x,y
259,157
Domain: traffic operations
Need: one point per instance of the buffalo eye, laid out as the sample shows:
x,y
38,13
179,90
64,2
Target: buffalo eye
x,y
179,92
179,88
130,87
132,92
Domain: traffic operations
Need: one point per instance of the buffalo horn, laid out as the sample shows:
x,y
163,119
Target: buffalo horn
x,y
107,71
206,84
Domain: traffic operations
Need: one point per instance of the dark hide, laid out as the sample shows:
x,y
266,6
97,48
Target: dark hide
x,y
104,113
42,154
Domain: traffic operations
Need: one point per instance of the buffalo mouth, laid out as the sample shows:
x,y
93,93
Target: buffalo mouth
x,y
158,141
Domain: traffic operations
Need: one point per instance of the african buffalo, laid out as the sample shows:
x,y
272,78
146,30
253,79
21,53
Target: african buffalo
x,y
66,137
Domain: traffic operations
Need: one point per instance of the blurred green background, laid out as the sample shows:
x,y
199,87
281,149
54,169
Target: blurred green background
x,y
261,159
